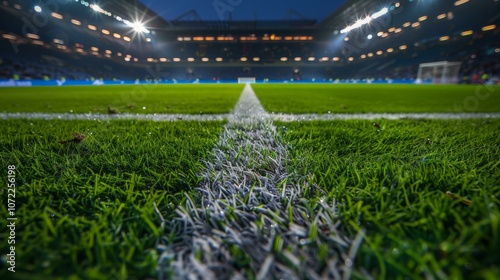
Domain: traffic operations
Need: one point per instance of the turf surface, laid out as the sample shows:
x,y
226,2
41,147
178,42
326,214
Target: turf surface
x,y
141,99
325,98
393,181
87,209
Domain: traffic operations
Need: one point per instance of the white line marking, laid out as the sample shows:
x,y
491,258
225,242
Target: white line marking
x,y
152,117
388,116
250,202
274,116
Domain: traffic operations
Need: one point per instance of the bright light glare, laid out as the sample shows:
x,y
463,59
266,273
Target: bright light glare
x,y
369,37
364,21
38,9
137,26
380,13
347,29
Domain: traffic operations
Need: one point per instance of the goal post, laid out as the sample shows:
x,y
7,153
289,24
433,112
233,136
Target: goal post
x,y
246,80
439,72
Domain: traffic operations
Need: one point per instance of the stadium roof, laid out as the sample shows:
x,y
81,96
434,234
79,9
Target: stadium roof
x,y
244,10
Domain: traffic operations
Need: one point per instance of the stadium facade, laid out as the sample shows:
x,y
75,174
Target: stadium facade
x,y
363,41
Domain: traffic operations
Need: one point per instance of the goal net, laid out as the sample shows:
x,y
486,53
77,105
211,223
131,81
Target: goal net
x,y
439,72
246,80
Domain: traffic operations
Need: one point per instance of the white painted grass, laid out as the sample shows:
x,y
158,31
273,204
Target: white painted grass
x,y
249,201
274,116
105,117
387,116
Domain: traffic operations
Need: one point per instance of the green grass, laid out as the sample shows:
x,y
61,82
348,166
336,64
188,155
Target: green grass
x,y
87,209
392,182
141,99
324,98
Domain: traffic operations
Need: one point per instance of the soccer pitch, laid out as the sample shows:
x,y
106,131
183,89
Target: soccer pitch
x,y
364,198
138,99
352,98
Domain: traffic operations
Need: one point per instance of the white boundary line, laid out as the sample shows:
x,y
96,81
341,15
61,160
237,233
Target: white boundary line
x,y
388,116
250,201
152,117
274,116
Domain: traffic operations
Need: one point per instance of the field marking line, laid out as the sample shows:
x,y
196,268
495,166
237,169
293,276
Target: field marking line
x,y
249,203
272,116
387,116
105,117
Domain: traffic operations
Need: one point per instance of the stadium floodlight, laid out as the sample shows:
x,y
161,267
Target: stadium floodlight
x,y
357,24
364,21
38,9
345,30
369,37
96,8
137,26
380,13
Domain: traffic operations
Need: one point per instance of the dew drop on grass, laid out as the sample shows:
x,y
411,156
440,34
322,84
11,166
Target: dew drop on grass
x,y
71,111
31,124
144,108
348,262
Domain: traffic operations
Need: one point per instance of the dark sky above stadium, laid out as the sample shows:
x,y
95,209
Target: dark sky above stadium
x,y
244,9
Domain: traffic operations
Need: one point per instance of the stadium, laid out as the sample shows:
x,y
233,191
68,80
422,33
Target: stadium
x,y
236,139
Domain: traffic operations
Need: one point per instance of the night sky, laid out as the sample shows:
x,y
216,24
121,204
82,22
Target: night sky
x,y
244,9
